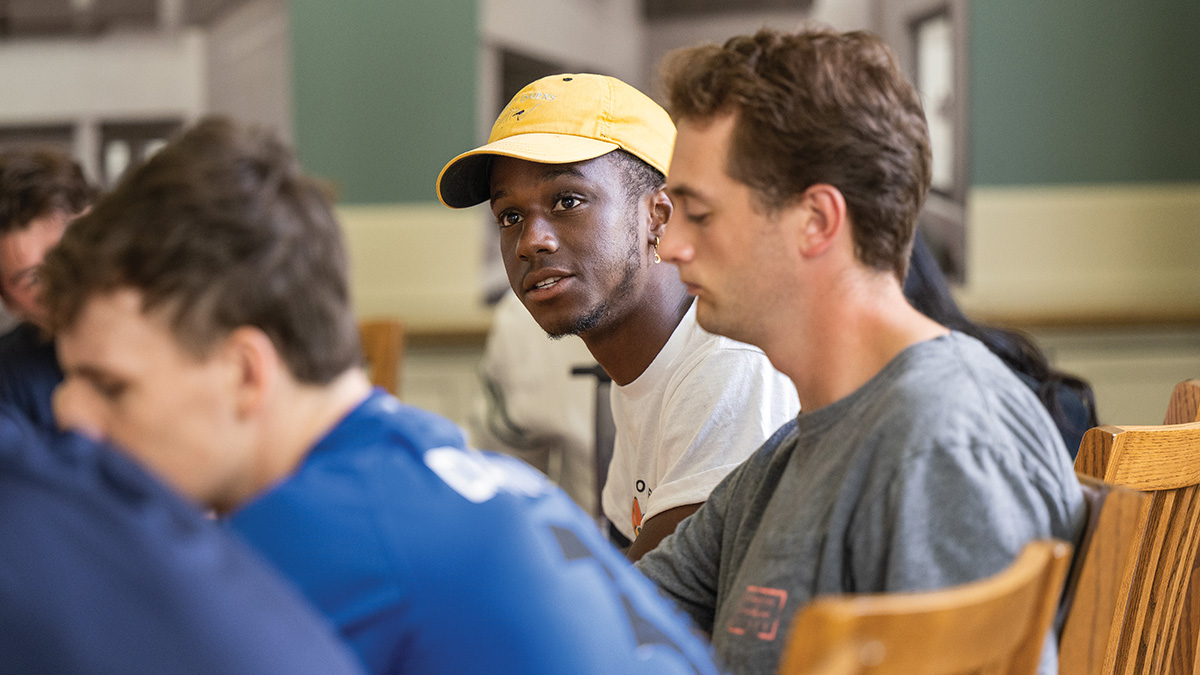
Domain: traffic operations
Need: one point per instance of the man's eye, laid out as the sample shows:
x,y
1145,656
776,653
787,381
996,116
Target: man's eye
x,y
696,218
508,219
565,203
109,390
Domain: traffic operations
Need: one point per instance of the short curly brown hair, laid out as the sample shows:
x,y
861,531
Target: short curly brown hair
x,y
816,107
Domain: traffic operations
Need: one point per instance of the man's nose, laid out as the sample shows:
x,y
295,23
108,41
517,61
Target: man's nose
x,y
674,246
538,236
75,411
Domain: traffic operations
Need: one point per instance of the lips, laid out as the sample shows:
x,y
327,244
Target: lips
x,y
545,284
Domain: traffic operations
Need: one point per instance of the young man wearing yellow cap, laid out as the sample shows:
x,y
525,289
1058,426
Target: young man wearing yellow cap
x,y
574,172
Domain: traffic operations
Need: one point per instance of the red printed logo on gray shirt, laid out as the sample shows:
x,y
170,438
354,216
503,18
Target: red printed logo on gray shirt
x,y
758,612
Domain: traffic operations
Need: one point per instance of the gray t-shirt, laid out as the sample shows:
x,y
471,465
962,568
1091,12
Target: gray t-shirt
x,y
934,473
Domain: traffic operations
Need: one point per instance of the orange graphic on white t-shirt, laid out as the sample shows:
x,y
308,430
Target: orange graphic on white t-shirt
x,y
636,517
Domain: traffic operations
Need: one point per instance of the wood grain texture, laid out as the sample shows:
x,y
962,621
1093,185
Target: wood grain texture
x,y
995,625
1184,407
1101,577
1165,462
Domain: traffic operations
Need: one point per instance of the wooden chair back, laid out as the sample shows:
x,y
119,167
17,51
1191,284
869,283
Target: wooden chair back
x,y
1184,407
995,625
1101,577
383,351
1165,462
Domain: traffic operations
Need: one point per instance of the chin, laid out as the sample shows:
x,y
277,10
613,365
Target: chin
x,y
556,328
710,321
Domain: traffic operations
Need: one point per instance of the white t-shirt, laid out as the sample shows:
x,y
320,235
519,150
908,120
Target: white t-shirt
x,y
702,407
538,410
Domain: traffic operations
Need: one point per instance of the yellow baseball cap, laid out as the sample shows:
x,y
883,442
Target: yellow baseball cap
x,y
558,120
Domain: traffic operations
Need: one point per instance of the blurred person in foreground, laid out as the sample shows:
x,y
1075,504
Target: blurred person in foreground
x,y
104,571
42,189
919,461
210,335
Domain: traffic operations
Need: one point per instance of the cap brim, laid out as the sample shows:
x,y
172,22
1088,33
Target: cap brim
x,y
463,181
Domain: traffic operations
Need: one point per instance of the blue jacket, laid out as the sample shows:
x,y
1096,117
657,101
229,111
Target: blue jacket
x,y
436,559
105,572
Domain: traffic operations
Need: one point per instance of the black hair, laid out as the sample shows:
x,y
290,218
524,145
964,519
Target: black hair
x,y
928,291
638,177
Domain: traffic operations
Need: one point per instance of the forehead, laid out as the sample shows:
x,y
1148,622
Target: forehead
x,y
700,154
113,330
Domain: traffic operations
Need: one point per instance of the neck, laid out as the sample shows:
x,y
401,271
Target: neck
x,y
301,416
627,347
861,323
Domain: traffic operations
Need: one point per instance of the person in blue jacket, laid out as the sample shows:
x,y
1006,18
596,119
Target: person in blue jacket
x,y
210,334
41,190
103,571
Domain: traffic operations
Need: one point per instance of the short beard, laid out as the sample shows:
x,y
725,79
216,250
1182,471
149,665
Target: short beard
x,y
593,318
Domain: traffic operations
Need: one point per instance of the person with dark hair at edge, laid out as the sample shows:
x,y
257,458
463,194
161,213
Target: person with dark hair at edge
x,y
203,317
574,171
41,190
1067,398
919,461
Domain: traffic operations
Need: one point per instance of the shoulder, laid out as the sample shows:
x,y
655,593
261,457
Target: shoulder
x,y
710,356
80,517
955,378
953,401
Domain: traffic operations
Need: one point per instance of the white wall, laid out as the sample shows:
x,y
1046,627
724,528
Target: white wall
x,y
665,35
122,77
584,34
670,34
250,65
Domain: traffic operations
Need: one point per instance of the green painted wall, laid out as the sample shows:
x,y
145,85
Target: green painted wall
x,y
384,93
1084,91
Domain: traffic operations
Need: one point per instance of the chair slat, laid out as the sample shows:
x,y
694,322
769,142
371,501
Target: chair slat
x,y
996,625
1165,462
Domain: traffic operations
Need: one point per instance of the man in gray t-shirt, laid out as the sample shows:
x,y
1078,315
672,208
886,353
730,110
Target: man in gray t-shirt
x,y
920,461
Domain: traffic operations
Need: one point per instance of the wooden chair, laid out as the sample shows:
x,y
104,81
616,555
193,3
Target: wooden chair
x,y
1165,462
1184,407
1101,577
383,351
996,625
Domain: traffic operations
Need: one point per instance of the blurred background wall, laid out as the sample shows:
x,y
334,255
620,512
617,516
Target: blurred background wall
x,y
1077,191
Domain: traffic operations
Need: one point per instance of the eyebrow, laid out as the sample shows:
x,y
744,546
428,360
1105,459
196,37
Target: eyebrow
x,y
549,175
685,191
86,371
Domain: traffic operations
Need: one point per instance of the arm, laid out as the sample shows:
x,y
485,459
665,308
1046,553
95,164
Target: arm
x,y
657,528
686,566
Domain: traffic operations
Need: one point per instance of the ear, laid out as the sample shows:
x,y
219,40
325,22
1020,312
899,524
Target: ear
x,y
824,219
660,208
255,368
